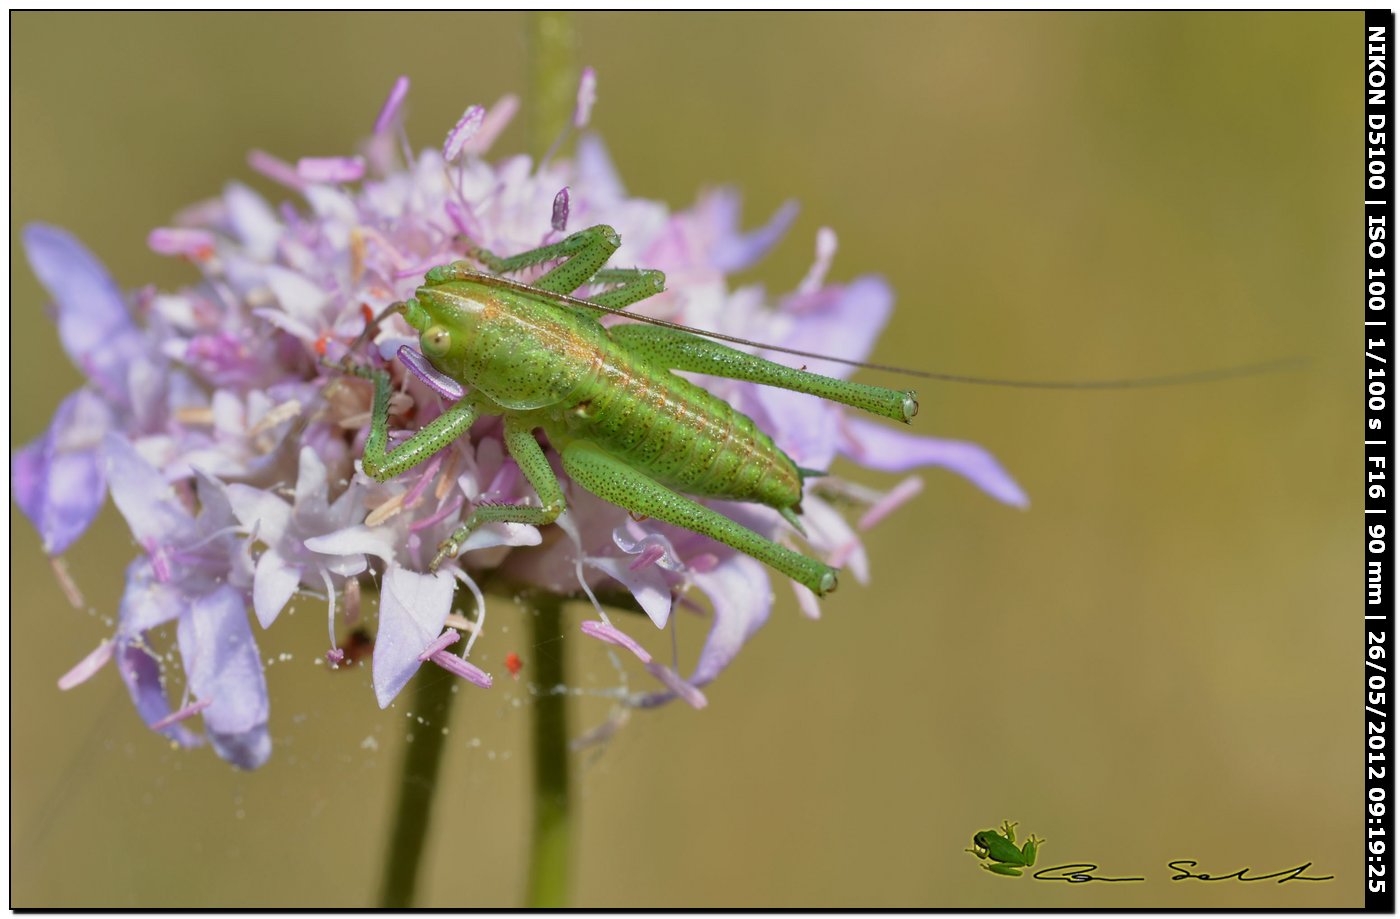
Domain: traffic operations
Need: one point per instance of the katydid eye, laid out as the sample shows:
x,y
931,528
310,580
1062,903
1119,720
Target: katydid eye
x,y
436,341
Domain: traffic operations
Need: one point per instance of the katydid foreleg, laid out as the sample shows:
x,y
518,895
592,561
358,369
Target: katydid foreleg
x,y
382,463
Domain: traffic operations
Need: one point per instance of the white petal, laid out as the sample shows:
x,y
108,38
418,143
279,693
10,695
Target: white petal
x,y
647,584
355,540
412,610
274,582
255,507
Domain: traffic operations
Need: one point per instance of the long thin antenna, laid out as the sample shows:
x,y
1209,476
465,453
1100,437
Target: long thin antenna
x,y
1173,379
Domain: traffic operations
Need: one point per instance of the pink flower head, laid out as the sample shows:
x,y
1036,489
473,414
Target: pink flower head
x,y
232,449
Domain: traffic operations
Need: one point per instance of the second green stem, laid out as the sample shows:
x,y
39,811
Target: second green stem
x,y
548,884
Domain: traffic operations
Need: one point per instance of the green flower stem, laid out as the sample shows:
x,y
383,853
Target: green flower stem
x,y
554,76
548,883
422,759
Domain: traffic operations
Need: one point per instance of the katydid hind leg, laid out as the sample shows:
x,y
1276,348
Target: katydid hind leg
x,y
618,483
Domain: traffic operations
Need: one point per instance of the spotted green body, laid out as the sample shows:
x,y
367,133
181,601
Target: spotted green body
x,y
625,425
565,375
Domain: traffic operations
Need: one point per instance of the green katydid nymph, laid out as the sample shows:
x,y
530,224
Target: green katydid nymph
x,y
625,426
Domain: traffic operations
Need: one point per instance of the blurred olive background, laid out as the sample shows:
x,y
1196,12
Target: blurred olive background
x,y
1158,660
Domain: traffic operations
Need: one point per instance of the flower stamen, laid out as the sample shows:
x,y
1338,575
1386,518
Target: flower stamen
x,y
175,717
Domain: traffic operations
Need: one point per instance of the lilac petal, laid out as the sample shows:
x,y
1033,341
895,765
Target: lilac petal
x,y
434,379
742,597
274,582
222,665
252,220
258,509
141,493
58,480
738,251
181,241
647,584
879,447
331,169
391,105
85,668
28,471
463,131
300,298
803,426
311,491
147,602
141,674
843,322
412,610
807,601
826,251
596,172
91,311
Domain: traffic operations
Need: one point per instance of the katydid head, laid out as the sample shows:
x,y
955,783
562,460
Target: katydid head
x,y
442,317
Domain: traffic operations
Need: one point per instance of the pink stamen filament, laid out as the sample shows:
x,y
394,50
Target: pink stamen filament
x,y
331,169
429,473
391,105
609,633
587,95
493,124
66,582
89,665
649,556
897,496
330,604
160,563
275,169
480,622
445,640
458,667
447,511
189,711
464,130
672,680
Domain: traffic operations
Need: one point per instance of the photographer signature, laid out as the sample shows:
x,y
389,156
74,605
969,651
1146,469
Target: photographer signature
x,y
1082,873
